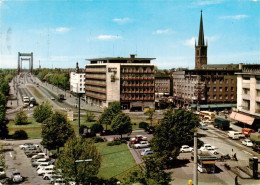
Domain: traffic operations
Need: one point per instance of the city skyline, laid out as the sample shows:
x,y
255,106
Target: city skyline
x,y
60,33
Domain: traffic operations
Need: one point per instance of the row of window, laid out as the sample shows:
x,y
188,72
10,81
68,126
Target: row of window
x,y
246,91
227,81
220,89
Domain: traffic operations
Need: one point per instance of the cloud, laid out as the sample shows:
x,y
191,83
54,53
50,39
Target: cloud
x,y
108,37
190,42
212,38
255,0
159,32
62,29
209,2
236,17
122,20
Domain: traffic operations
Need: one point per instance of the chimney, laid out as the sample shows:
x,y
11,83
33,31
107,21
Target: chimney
x,y
132,55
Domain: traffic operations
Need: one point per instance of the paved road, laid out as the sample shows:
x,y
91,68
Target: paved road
x,y
16,159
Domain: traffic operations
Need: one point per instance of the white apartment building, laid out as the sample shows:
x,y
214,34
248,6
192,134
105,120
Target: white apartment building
x,y
77,82
248,96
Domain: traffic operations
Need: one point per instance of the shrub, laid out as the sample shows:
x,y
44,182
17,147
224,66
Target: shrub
x,y
81,129
110,143
124,141
20,134
21,118
96,128
143,125
98,139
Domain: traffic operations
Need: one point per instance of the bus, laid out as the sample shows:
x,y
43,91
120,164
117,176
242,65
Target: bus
x,y
207,116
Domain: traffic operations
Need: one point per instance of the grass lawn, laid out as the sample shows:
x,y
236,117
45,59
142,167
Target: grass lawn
x,y
116,160
33,129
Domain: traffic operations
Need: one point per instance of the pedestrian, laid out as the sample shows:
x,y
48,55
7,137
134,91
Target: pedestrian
x,y
235,157
236,181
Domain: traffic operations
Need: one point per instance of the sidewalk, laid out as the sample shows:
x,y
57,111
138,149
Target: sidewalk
x,y
12,103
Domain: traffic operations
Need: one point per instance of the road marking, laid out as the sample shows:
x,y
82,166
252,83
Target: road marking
x,y
247,152
11,154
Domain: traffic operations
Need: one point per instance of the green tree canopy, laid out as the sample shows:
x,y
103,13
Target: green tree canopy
x,y
110,113
4,87
151,172
3,123
121,124
3,99
55,131
21,118
177,129
42,112
77,149
150,113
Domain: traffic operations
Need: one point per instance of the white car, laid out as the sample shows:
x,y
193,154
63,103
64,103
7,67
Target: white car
x,y
59,182
147,151
247,142
186,148
26,145
43,165
44,170
39,156
142,144
2,172
49,175
16,176
208,145
210,149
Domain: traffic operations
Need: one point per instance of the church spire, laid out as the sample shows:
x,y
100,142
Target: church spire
x,y
201,33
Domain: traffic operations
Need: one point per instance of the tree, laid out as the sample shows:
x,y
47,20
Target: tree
x,y
20,134
4,87
3,99
150,173
150,113
3,123
42,112
55,131
121,124
177,128
89,116
96,128
110,113
21,118
77,149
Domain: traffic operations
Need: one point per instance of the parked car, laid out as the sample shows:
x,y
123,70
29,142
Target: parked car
x,y
48,175
25,145
210,149
39,156
42,165
142,144
186,148
39,161
137,139
247,142
54,177
247,131
44,170
60,182
203,127
16,176
147,151
2,172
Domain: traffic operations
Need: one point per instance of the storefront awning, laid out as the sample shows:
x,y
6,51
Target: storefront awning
x,y
242,118
208,162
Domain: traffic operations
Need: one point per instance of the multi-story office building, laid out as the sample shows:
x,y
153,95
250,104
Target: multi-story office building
x,y
248,96
128,80
162,86
212,86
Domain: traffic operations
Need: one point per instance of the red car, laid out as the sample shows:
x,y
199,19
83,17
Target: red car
x,y
138,138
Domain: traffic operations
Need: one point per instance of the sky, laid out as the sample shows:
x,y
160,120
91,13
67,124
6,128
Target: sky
x,y
63,32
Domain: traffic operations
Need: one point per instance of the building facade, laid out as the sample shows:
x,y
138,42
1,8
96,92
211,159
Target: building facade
x,y
211,86
127,80
77,82
248,96
162,86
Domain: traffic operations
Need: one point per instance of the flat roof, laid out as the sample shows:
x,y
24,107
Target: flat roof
x,y
119,58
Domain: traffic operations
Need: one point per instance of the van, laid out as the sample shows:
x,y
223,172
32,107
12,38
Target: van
x,y
234,135
247,131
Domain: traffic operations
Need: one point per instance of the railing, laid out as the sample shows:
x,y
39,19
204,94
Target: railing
x,y
95,96
93,71
96,90
94,77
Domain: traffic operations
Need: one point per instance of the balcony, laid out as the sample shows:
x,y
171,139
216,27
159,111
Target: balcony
x,y
96,90
95,77
95,96
93,71
95,84
257,111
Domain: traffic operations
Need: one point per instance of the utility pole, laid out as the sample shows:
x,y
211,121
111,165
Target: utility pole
x,y
195,159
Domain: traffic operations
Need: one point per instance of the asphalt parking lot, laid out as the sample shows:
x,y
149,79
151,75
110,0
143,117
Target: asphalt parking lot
x,y
17,160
